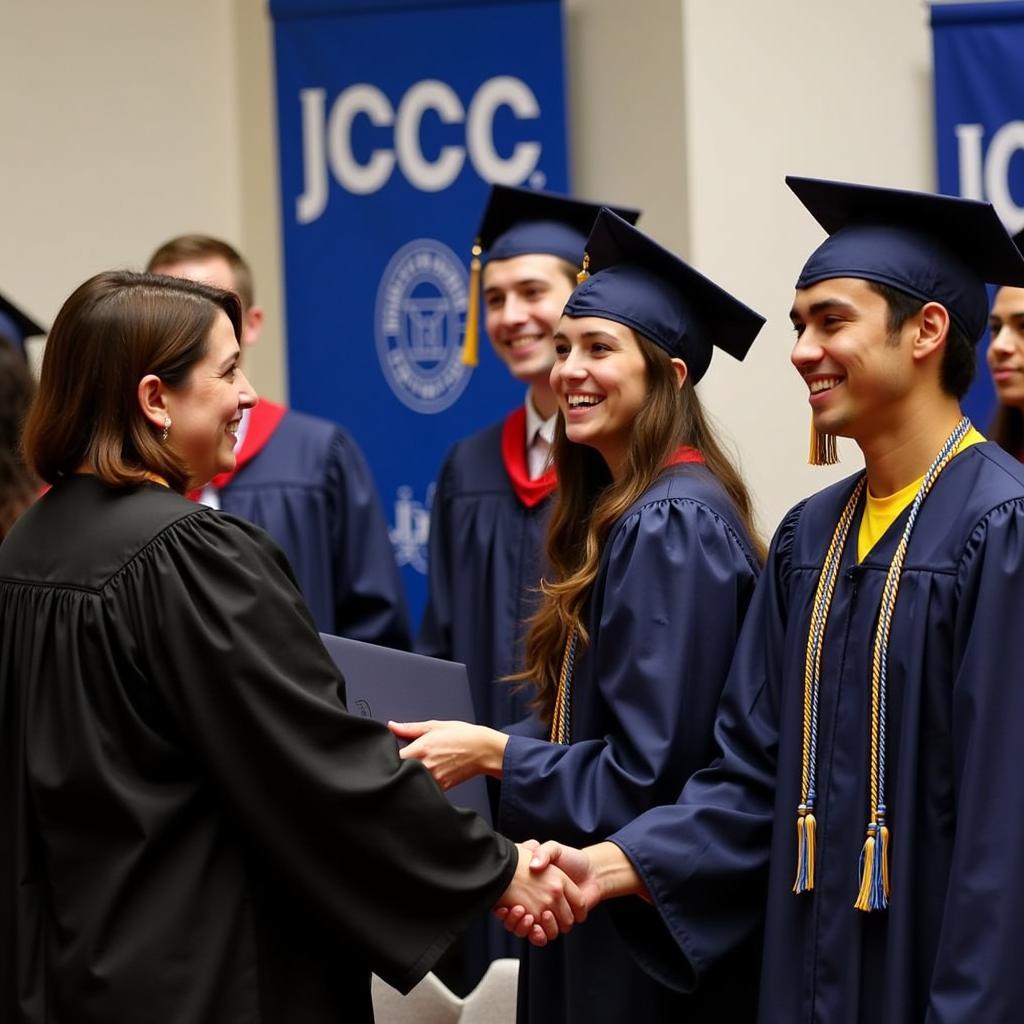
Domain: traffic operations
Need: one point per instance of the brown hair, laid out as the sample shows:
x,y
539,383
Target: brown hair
x,y
1007,429
589,502
18,484
187,248
113,331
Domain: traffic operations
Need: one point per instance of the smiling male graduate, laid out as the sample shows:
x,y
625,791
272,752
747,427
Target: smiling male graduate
x,y
863,806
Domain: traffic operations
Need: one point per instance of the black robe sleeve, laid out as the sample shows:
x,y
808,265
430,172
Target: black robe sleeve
x,y
366,841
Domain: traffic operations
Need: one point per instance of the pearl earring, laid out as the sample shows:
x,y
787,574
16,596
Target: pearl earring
x,y
167,429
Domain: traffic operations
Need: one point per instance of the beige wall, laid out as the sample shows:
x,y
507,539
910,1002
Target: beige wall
x,y
128,122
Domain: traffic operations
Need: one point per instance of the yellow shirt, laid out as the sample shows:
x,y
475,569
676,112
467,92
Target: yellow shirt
x,y
881,513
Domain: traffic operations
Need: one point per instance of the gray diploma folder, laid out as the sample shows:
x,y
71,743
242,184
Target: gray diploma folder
x,y
384,684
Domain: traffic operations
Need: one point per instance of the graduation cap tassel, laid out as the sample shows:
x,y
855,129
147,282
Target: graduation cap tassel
x,y
822,451
471,337
584,270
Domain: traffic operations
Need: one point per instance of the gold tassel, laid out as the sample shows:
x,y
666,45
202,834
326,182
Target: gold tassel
x,y
806,828
867,866
822,451
471,336
584,272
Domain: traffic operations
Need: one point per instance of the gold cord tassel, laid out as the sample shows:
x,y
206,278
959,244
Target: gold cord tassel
x,y
806,827
584,271
471,337
822,451
874,870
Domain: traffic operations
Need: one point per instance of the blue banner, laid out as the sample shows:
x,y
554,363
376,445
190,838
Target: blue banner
x,y
979,124
394,120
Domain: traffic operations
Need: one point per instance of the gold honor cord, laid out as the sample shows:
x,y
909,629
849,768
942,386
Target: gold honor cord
x,y
873,893
561,720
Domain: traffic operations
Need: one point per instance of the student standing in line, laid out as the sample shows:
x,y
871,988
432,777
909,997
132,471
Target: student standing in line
x,y
1006,364
863,806
652,565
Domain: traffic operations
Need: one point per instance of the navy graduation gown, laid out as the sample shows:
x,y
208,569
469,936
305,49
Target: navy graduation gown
x,y
945,951
663,615
310,488
192,828
484,571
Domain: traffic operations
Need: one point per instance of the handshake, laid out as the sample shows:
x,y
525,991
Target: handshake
x,y
556,886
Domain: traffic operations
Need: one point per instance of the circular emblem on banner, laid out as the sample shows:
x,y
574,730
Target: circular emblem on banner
x,y
421,308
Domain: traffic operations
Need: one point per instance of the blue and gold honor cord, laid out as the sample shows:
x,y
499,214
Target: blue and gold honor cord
x,y
561,719
874,859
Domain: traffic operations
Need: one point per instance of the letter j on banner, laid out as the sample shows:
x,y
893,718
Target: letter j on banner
x,y
979,124
394,120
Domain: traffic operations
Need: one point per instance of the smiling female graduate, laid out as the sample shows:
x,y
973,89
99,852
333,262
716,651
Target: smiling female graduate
x,y
872,703
192,827
653,562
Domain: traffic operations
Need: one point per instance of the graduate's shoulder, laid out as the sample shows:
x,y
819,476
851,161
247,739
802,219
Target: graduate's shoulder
x,y
682,494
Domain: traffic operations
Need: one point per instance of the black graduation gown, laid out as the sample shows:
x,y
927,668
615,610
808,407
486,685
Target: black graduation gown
x,y
664,613
194,829
484,571
946,950
310,488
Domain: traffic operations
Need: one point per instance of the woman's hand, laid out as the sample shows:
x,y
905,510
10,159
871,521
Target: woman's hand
x,y
452,751
540,903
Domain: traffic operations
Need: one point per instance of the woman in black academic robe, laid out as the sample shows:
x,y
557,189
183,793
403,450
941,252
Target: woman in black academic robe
x,y
653,562
193,829
1005,356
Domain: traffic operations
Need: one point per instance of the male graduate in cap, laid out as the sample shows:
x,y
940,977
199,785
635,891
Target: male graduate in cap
x,y
863,806
488,516
304,480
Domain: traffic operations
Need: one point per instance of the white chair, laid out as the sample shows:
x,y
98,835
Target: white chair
x,y
493,1001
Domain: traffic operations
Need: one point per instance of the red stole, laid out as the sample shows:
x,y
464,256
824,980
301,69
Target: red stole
x,y
263,421
684,453
513,455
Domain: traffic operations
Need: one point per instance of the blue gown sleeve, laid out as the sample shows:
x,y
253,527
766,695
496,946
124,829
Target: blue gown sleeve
x,y
671,598
977,974
435,635
369,600
704,859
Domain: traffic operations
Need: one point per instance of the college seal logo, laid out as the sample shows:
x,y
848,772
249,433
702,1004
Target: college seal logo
x,y
418,321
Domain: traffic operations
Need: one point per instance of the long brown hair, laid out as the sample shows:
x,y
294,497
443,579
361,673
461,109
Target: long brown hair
x,y
18,484
589,502
1007,429
113,331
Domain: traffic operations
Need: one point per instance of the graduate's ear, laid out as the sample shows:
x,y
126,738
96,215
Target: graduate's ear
x,y
931,330
152,395
681,371
252,324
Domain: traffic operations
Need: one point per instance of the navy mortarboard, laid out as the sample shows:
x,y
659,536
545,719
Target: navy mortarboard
x,y
15,325
522,222
936,248
1018,240
636,282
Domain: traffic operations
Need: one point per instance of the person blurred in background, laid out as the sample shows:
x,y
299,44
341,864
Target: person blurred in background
x,y
304,480
1006,364
18,484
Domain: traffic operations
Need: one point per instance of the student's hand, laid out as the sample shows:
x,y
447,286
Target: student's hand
x,y
540,903
452,751
601,871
